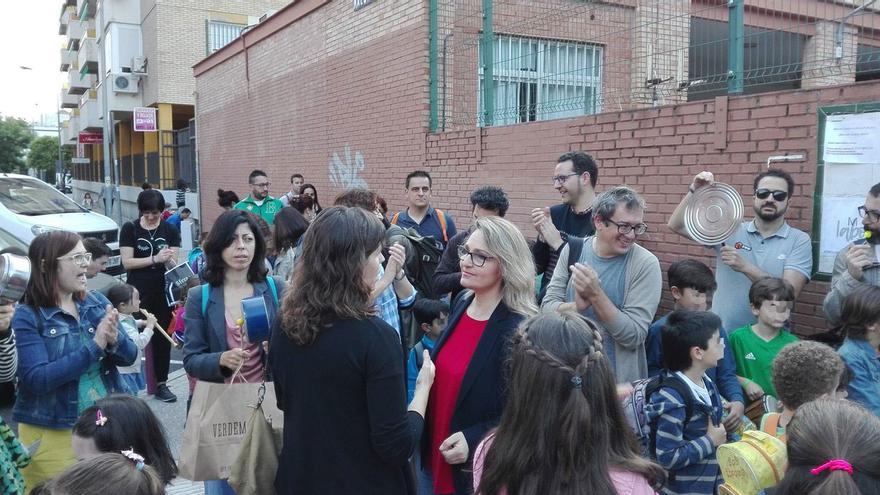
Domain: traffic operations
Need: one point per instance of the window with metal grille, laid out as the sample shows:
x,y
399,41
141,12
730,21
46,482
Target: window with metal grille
x,y
221,33
538,79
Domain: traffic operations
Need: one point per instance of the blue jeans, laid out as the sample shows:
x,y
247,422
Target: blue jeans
x,y
133,382
218,487
425,480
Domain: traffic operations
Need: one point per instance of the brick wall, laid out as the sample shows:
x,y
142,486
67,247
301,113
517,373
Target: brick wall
x,y
356,113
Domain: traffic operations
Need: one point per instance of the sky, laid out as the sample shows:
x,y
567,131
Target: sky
x,y
30,38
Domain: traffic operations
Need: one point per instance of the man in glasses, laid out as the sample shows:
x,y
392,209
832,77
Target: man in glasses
x,y
258,201
574,178
857,264
96,279
613,281
766,246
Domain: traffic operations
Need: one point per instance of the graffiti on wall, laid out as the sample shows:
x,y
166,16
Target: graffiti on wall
x,y
344,170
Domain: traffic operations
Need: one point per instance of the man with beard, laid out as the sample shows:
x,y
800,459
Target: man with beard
x,y
766,246
856,264
258,201
575,179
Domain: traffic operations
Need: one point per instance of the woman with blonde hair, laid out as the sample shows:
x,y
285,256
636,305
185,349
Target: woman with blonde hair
x,y
468,395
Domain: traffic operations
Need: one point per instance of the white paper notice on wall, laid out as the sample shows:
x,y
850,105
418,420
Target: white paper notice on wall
x,y
841,225
852,138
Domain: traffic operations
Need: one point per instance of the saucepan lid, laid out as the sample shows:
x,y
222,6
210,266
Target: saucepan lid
x,y
713,214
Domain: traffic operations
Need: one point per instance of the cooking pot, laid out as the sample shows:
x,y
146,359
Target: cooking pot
x,y
15,271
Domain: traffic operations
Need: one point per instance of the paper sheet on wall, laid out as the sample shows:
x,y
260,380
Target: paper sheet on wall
x,y
852,138
841,225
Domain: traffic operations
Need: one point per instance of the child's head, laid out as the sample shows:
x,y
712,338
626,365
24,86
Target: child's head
x,y
111,472
691,338
125,298
805,371
691,284
771,300
860,312
557,361
430,315
825,430
124,422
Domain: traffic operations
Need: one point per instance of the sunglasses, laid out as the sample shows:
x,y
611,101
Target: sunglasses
x,y
765,193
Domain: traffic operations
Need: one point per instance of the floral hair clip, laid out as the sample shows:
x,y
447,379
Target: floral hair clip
x,y
100,419
137,459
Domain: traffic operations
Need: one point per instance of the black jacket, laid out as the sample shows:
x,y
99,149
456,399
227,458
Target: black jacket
x,y
483,389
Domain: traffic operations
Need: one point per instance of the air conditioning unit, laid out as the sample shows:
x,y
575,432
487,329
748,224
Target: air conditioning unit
x,y
268,14
139,65
124,83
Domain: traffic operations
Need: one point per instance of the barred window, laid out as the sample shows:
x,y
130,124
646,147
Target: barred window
x,y
543,80
221,33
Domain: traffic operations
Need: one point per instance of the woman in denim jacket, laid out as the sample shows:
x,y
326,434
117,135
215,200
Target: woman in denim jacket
x,y
68,349
860,317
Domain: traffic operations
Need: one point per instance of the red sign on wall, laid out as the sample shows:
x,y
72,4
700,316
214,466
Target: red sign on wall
x,y
144,119
90,138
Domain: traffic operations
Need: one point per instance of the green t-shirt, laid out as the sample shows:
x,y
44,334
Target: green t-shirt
x,y
268,209
754,355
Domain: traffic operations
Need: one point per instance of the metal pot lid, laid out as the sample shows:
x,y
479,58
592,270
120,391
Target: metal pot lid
x,y
15,271
713,214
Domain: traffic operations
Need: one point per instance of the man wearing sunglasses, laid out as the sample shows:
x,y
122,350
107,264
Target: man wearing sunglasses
x,y
856,264
766,246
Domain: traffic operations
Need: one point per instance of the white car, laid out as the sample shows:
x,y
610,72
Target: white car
x,y
29,207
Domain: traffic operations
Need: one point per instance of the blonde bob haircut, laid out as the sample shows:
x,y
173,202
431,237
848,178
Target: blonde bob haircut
x,y
505,242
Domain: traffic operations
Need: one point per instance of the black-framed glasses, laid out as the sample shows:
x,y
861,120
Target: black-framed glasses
x,y
765,193
625,228
873,215
261,184
476,258
560,179
81,259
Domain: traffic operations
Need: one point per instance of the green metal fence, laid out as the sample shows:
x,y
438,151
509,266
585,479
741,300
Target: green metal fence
x,y
504,62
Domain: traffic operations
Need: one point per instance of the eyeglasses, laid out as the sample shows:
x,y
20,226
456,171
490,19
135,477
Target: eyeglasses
x,y
765,193
873,215
476,258
560,179
625,228
81,259
261,185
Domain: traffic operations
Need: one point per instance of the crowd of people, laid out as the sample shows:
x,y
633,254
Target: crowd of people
x,y
410,356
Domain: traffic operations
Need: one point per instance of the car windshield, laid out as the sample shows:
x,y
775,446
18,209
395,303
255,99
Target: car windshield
x,y
32,197
7,240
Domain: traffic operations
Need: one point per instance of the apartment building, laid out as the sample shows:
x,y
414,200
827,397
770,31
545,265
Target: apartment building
x,y
123,54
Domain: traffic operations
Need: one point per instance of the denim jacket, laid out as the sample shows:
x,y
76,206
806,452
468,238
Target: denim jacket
x,y
53,354
863,361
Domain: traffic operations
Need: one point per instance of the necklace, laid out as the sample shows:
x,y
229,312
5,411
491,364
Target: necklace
x,y
151,232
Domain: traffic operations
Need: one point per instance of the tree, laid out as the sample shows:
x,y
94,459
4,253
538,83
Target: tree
x,y
15,135
44,153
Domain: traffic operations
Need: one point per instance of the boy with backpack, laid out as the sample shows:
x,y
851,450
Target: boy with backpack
x,y
692,284
430,317
685,411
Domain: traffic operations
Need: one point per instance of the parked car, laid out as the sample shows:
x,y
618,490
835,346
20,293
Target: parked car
x,y
30,207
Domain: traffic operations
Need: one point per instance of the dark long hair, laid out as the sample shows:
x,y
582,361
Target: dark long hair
x,y
860,309
44,251
290,225
303,188
579,434
827,429
221,237
328,283
130,424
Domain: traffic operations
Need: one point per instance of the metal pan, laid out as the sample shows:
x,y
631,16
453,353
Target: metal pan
x,y
15,271
713,214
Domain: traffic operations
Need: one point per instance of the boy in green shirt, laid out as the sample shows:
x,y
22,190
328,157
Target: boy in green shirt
x,y
755,346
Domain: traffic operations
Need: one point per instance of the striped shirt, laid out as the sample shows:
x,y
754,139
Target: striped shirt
x,y
8,357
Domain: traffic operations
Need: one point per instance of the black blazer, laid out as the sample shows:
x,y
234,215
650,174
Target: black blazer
x,y
483,390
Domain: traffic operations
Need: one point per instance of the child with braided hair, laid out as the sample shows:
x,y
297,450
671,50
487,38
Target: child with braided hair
x,y
685,431
579,442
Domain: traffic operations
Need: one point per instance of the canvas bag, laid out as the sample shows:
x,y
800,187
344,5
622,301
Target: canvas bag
x,y
253,472
217,423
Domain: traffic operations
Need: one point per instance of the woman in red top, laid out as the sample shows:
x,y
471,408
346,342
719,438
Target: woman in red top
x,y
468,394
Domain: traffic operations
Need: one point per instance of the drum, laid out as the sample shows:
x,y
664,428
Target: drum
x,y
754,463
256,317
756,410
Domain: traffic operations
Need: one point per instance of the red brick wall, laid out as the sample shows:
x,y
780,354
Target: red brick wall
x,y
334,80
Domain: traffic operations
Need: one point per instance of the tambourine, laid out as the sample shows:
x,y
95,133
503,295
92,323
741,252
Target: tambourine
x,y
713,214
256,318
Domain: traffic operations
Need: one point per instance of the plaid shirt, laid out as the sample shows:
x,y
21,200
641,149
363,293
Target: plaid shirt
x,y
388,305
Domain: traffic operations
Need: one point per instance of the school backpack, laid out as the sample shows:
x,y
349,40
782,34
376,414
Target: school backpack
x,y
634,408
422,262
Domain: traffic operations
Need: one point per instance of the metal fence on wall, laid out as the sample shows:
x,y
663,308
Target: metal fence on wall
x,y
511,61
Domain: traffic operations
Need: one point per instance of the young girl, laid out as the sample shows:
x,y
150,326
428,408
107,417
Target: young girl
x,y
580,442
116,472
833,449
120,422
127,300
860,319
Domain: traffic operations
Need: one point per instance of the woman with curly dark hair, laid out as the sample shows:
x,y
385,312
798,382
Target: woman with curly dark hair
x,y
226,199
338,369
